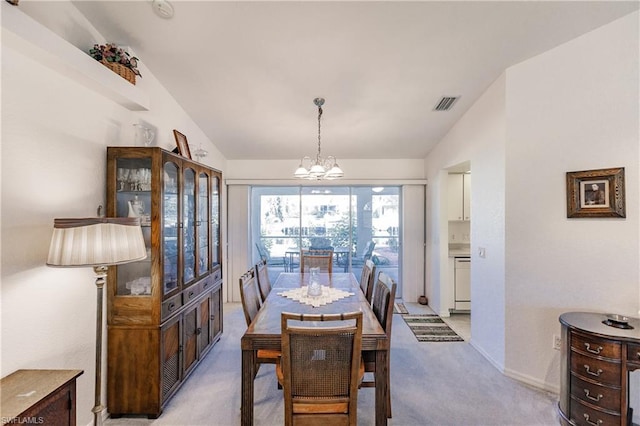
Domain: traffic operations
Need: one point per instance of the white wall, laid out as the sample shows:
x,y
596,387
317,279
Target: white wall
x,y
572,108
54,138
479,137
353,169
413,270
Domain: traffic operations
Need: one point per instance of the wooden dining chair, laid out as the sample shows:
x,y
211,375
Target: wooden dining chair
x,y
264,283
251,306
322,259
321,368
367,279
384,295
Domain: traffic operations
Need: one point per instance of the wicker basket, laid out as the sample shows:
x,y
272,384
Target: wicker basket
x,y
121,70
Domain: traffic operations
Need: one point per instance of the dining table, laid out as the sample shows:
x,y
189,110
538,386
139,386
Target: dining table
x,y
264,331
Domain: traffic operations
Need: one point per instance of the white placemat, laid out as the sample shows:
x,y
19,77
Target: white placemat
x,y
329,294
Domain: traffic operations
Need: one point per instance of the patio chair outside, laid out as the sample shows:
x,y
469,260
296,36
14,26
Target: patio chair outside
x,y
266,256
322,243
365,255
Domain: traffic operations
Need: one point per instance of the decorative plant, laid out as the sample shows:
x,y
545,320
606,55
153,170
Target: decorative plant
x,y
111,53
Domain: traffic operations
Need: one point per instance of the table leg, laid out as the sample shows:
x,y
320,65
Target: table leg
x,y
382,388
246,404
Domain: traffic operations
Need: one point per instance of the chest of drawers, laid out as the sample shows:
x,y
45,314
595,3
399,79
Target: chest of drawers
x,y
596,359
45,397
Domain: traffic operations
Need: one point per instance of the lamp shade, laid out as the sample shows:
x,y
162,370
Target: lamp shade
x,y
96,242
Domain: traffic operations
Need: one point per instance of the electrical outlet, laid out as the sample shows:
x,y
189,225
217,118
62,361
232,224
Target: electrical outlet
x,y
557,342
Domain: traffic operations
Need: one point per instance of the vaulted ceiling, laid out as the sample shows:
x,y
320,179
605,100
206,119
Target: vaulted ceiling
x,y
247,72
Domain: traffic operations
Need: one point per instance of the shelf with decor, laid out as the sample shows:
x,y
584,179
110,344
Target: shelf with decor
x,y
164,313
30,38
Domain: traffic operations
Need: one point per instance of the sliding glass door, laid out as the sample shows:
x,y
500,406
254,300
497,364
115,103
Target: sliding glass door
x,y
358,222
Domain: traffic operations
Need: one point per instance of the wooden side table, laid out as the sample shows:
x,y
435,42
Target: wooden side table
x,y
45,397
594,371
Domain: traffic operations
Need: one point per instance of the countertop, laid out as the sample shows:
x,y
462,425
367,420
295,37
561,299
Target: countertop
x,y
459,250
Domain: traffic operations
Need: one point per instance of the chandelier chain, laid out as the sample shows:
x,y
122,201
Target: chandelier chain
x,y
319,168
319,115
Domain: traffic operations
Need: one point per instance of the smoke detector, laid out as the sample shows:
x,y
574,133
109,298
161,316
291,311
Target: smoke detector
x,y
162,8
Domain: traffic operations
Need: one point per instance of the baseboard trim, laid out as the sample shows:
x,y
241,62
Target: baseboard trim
x,y
531,381
523,378
486,356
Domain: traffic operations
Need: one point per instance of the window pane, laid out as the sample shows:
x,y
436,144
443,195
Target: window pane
x,y
325,217
359,223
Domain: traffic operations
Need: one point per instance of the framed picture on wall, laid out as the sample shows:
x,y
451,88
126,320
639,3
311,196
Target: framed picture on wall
x,y
183,145
596,193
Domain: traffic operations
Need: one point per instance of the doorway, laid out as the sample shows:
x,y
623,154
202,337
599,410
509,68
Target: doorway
x,y
458,300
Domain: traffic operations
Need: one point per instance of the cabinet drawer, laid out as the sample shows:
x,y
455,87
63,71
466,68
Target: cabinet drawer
x,y
191,293
598,347
216,275
172,305
207,283
605,372
633,353
601,396
582,415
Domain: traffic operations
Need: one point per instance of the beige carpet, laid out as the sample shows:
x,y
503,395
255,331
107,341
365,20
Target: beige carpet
x,y
444,384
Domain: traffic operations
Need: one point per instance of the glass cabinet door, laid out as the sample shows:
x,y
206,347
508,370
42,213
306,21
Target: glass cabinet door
x,y
215,221
170,223
189,226
203,223
133,199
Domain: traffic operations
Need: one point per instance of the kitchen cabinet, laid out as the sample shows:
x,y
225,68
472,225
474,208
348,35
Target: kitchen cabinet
x,y
459,193
163,313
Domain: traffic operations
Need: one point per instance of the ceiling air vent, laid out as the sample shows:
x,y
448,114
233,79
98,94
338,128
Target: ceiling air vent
x,y
446,103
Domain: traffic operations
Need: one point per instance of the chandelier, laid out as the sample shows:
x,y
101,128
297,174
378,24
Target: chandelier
x,y
320,167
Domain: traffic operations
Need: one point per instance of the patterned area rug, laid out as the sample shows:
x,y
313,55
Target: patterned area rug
x,y
431,328
399,308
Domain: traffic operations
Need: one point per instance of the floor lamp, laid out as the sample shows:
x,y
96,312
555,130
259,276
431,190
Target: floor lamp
x,y
99,243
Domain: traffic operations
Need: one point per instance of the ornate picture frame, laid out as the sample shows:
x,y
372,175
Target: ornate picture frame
x,y
596,193
183,145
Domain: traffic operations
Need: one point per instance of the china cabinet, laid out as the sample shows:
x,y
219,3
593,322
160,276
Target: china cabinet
x,y
164,313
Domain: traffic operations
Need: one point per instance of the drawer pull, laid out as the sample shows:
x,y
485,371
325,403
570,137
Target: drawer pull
x,y
596,373
596,423
593,398
593,351
190,294
171,306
